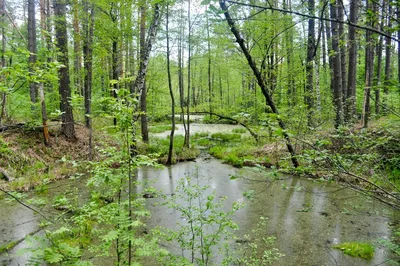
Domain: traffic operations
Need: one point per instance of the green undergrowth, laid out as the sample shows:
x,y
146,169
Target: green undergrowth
x,y
160,128
357,249
371,153
160,146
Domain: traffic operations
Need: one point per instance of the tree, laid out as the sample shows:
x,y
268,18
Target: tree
x,y
260,80
32,49
350,104
311,51
3,58
388,55
369,64
88,64
139,83
171,137
336,83
67,117
143,95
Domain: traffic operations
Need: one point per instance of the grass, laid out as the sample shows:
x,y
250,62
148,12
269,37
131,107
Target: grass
x,y
161,147
357,249
160,128
225,137
239,130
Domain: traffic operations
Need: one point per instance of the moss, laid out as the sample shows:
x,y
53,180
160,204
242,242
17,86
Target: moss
x,y
357,249
8,246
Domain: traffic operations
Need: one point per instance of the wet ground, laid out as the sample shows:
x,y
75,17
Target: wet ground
x,y
307,217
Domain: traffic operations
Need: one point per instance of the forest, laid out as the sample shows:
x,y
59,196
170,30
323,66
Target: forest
x,y
171,132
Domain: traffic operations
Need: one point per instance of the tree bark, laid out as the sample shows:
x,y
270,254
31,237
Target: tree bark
x,y
140,80
350,104
171,93
369,67
336,84
143,95
32,50
388,53
3,58
260,80
67,117
77,48
310,94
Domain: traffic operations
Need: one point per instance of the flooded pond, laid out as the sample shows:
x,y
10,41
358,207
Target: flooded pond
x,y
200,128
307,217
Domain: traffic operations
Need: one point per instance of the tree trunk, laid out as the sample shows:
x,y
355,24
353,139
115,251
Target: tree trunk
x,y
3,58
260,80
311,49
140,80
336,84
350,104
342,48
209,67
171,93
32,49
88,64
67,118
187,132
77,48
378,71
388,53
143,95
369,68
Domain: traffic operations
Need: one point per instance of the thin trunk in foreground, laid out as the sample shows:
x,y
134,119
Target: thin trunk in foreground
x,y
171,137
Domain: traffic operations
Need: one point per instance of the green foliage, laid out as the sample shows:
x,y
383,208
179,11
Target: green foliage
x,y
225,137
161,147
207,228
160,128
239,130
357,249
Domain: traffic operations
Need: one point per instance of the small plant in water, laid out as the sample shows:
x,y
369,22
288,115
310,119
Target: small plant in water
x,y
206,227
357,249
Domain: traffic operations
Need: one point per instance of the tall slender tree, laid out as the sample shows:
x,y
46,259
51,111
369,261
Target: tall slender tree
x,y
3,57
143,95
32,48
171,137
336,83
67,117
311,50
350,103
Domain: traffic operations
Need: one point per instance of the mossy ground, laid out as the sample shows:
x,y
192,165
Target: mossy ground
x,y
357,249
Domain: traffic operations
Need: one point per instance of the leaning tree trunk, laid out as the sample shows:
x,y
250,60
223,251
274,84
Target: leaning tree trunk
x,y
67,117
259,78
